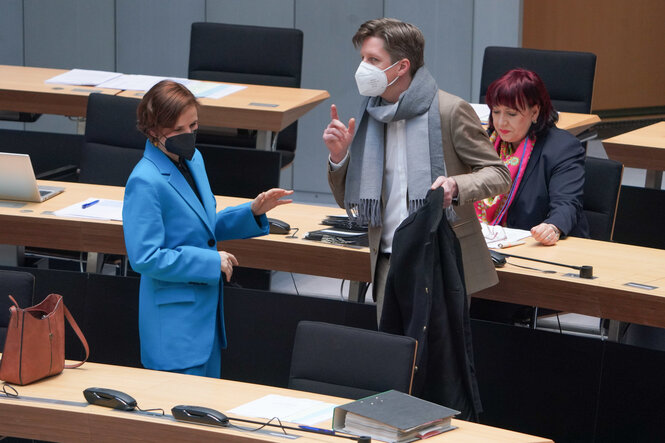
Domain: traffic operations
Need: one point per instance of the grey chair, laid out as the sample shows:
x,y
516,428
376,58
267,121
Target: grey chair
x,y
602,186
350,362
21,286
258,55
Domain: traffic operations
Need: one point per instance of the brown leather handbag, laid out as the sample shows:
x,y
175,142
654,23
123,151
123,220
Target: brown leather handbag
x,y
35,343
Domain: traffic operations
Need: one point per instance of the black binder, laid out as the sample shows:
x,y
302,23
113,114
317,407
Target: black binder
x,y
393,416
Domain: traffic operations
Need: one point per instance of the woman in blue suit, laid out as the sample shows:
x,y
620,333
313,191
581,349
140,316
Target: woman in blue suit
x,y
171,232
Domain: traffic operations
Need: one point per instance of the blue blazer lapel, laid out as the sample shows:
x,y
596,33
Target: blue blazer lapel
x,y
180,185
197,168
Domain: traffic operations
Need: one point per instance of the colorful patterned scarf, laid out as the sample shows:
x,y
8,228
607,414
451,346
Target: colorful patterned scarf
x,y
493,210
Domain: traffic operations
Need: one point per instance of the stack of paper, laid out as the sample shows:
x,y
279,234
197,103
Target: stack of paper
x,y
96,208
498,237
135,82
290,409
83,77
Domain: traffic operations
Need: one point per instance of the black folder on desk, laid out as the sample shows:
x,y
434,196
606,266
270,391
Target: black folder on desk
x,y
393,416
339,236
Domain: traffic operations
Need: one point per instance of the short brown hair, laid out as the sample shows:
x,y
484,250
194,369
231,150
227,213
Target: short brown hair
x,y
400,40
161,106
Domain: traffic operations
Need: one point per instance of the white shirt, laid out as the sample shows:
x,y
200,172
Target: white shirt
x,y
394,182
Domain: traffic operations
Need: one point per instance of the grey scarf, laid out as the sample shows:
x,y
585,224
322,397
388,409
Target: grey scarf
x,y
419,106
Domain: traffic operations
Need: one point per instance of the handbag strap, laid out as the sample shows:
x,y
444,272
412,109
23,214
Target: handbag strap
x,y
76,329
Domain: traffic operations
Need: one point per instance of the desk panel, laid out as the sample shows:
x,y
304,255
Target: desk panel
x,y
22,89
642,148
39,228
156,389
606,296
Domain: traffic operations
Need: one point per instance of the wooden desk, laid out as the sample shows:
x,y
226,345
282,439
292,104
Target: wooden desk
x,y
642,148
22,89
576,123
32,225
155,389
605,296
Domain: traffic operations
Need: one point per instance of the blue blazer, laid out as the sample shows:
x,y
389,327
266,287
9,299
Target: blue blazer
x,y
171,240
552,188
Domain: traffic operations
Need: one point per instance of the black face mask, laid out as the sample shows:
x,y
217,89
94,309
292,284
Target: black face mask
x,y
181,145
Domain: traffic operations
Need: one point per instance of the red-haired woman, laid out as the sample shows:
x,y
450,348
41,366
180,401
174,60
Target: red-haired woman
x,y
546,163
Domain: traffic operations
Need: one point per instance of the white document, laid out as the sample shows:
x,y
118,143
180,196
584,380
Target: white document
x,y
212,90
137,82
483,112
291,409
83,77
95,208
498,237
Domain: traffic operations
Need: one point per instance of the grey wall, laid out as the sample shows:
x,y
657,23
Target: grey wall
x,y
152,37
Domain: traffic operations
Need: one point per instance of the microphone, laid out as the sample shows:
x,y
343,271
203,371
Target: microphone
x,y
586,271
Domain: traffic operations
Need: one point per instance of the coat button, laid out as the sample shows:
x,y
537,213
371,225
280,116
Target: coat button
x,y
211,242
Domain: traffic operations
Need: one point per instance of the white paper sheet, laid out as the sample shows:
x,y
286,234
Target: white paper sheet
x,y
483,112
498,237
212,90
136,82
290,409
83,77
102,210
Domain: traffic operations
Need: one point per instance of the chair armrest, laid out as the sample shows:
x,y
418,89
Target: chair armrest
x,y
58,173
587,135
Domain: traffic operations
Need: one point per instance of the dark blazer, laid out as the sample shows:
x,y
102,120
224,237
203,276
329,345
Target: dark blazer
x,y
426,299
553,186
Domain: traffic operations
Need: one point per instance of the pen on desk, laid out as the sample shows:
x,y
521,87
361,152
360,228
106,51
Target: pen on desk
x,y
509,244
87,205
319,430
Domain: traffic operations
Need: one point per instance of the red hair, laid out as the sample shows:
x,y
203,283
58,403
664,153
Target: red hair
x,y
520,89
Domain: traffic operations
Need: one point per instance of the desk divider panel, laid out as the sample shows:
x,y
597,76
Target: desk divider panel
x,y
563,387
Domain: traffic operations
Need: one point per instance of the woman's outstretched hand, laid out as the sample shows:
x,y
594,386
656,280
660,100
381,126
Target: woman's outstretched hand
x,y
268,200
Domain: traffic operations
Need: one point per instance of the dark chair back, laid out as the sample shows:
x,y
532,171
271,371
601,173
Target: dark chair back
x,y
567,75
112,145
602,183
637,220
238,172
350,362
21,286
257,55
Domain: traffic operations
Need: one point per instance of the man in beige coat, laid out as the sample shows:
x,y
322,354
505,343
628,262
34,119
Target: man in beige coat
x,y
410,138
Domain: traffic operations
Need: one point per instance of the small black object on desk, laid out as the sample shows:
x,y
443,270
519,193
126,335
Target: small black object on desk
x,y
110,398
199,414
278,226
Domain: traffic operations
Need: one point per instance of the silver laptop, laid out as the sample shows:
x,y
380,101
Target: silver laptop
x,y
17,180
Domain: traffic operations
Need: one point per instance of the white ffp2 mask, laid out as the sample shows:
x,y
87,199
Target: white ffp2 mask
x,y
372,81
